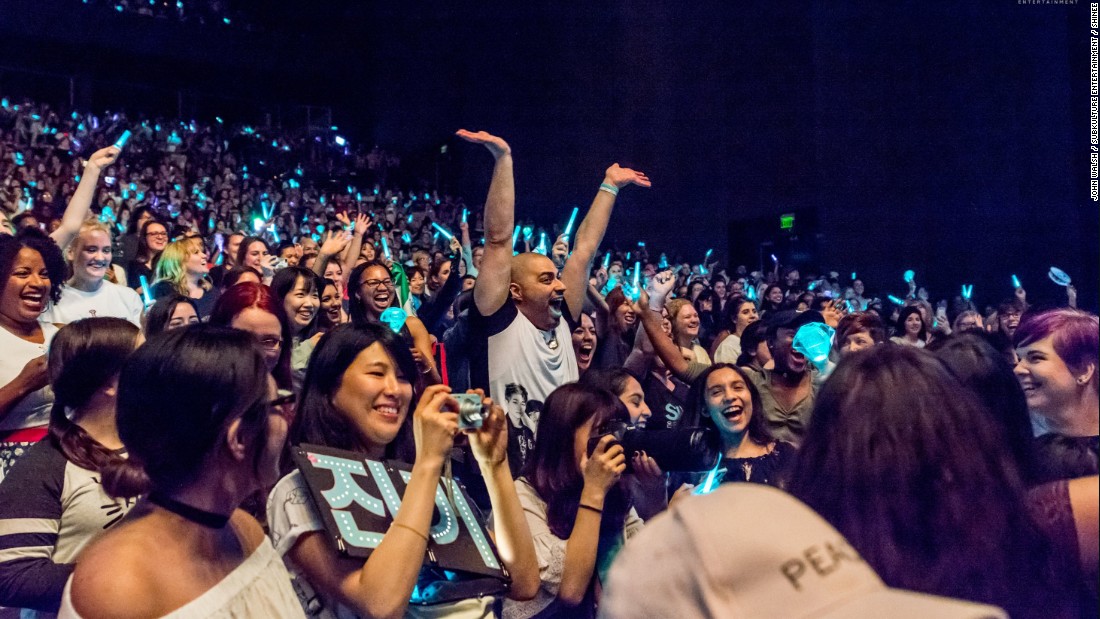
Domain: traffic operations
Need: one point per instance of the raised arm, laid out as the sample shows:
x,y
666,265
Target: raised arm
x,y
81,202
590,234
649,308
355,245
491,289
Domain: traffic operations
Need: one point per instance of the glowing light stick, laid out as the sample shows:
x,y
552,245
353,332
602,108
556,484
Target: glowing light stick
x,y
710,483
274,234
637,274
123,139
394,318
463,214
406,237
386,249
967,291
775,260
895,300
854,276
1058,276
607,261
528,232
258,224
447,235
569,226
1016,282
663,262
515,237
146,290
814,340
750,292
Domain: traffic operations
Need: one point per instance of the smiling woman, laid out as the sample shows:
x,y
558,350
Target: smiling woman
x,y
86,294
299,289
31,272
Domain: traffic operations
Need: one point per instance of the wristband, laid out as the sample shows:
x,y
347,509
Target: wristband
x,y
590,508
408,528
611,189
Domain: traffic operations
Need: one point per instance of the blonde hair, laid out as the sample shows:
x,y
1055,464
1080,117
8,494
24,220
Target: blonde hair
x,y
172,264
77,244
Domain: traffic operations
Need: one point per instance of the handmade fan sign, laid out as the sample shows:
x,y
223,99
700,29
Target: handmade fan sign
x,y
358,499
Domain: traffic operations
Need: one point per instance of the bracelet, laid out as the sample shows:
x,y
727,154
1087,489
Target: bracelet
x,y
407,527
590,508
611,189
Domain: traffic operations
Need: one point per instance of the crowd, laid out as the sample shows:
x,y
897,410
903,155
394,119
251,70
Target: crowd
x,y
196,318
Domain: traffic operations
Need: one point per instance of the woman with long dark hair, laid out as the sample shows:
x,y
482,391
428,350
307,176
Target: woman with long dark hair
x,y
151,240
53,503
370,292
358,391
171,312
727,402
739,314
578,509
31,273
903,461
299,290
198,411
911,330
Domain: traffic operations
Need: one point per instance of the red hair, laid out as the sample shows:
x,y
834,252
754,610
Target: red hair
x,y
240,297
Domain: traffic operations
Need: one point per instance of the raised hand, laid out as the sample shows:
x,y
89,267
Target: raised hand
x,y
455,245
103,157
659,288
497,146
344,220
489,442
335,242
435,424
362,224
621,177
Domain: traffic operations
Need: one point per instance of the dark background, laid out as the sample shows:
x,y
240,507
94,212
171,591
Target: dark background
x,y
952,140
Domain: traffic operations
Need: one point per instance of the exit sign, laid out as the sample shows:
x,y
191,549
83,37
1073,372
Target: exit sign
x,y
786,221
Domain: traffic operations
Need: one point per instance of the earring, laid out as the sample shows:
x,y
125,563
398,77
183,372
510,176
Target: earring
x,y
1081,380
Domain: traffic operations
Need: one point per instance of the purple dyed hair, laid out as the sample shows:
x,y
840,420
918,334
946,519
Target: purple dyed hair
x,y
1075,336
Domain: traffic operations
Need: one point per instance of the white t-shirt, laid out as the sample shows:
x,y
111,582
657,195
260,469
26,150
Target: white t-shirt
x,y
108,300
34,410
729,350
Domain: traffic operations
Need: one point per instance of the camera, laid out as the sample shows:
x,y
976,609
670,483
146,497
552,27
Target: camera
x,y
679,450
469,411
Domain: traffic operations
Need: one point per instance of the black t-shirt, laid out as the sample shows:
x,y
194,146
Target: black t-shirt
x,y
669,408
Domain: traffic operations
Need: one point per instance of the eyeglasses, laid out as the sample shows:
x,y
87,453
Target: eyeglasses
x,y
159,235
271,343
374,283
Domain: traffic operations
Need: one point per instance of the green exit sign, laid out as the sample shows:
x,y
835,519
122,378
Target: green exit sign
x,y
786,221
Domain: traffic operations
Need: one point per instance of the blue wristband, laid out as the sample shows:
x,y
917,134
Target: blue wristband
x,y
611,189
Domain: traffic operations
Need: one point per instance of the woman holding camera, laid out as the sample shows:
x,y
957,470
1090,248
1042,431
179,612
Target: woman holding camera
x,y
578,510
358,391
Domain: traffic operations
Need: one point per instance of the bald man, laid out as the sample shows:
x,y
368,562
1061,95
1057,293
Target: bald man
x,y
517,334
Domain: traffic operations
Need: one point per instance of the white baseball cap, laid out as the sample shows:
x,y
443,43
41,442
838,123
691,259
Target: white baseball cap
x,y
753,551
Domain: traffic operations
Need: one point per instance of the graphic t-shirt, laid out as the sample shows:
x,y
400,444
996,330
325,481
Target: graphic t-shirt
x,y
518,365
109,300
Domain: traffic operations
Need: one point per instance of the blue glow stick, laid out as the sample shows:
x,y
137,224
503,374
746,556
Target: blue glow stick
x,y
1058,276
447,235
515,237
569,226
967,291
274,234
1016,282
541,249
775,260
386,249
123,139
528,232
146,290
663,262
637,274
854,278
705,258
750,292
711,480
464,215
895,300
406,237
607,261
908,276
410,218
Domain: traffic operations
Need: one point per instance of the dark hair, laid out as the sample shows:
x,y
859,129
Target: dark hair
x,y
356,308
902,459
757,429
766,305
34,239
244,296
135,216
84,356
984,370
143,245
178,394
284,282
160,314
906,312
861,322
610,379
242,249
234,275
731,310
755,333
317,420
551,467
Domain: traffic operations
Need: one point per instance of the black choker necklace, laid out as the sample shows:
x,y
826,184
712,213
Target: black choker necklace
x,y
207,519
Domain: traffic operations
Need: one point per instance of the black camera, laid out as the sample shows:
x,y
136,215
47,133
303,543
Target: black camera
x,y
679,450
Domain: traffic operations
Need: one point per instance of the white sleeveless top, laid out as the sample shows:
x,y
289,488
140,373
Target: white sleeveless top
x,y
34,410
259,587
